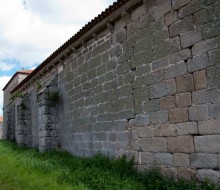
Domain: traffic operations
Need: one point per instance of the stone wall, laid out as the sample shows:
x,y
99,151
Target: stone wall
x,y
47,117
1,129
147,86
9,122
23,133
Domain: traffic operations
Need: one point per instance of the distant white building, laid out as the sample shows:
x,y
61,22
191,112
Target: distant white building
x,y
15,80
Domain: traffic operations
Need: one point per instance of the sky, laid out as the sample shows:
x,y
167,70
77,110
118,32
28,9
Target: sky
x,y
31,30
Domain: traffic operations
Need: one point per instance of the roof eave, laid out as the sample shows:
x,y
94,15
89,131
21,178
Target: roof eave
x,y
86,32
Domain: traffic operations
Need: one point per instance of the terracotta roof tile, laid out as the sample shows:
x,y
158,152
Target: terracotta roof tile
x,y
25,71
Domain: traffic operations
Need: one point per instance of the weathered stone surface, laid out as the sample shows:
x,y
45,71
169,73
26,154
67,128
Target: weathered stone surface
x,y
143,168
203,16
216,7
143,45
121,35
167,47
176,4
147,131
154,144
180,56
198,63
160,36
186,173
167,102
146,158
204,46
214,110
143,57
133,135
207,144
181,144
146,19
143,70
187,128
160,64
170,17
141,94
213,76
214,56
183,100
153,77
140,121
161,89
135,145
202,160
137,13
163,159
218,160
190,8
207,174
184,83
206,96
168,171
200,79
181,26
198,113
181,160
162,7
176,70
211,29
190,38
159,117
178,115
166,130
151,106
210,127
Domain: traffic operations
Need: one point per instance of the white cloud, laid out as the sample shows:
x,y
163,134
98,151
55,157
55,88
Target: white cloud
x,y
3,82
29,34
4,66
67,11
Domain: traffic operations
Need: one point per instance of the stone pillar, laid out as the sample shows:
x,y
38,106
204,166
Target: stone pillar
x,y
23,131
9,122
48,119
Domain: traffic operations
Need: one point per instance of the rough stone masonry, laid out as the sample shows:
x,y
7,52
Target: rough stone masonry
x,y
144,82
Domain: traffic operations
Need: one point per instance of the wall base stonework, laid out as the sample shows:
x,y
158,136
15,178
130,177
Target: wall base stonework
x,y
23,133
146,85
9,122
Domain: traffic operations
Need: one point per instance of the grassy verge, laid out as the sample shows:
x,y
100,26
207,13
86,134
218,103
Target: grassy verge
x,y
27,169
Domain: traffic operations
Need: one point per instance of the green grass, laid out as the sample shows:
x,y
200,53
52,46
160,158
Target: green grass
x,y
27,169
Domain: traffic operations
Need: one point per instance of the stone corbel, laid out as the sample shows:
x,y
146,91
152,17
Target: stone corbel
x,y
62,57
95,36
73,49
61,61
110,27
126,17
148,3
69,51
55,63
84,44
